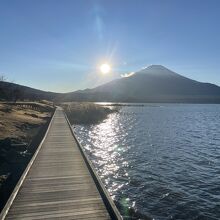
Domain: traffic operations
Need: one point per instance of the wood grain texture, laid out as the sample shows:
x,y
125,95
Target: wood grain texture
x,y
58,184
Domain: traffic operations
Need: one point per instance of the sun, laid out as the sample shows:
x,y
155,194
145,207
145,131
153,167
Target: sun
x,y
105,68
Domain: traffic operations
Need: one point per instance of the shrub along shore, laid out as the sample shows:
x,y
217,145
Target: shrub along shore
x,y
87,112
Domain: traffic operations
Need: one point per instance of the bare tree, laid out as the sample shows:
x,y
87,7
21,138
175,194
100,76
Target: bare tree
x,y
2,90
18,94
3,78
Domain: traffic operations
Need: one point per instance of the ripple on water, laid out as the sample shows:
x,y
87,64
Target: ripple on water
x,y
161,163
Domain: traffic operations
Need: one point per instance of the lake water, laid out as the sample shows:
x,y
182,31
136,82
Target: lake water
x,y
159,161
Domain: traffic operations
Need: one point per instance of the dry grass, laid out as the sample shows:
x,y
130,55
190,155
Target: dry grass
x,y
20,123
86,112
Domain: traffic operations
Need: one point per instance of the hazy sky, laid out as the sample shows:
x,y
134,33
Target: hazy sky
x,y
58,44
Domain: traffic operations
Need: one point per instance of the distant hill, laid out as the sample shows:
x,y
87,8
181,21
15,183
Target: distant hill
x,y
11,91
152,84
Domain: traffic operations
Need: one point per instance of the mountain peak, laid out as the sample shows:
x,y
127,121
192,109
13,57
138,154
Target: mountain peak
x,y
156,68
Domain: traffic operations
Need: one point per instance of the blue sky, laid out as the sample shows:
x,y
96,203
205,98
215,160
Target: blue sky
x,y
58,45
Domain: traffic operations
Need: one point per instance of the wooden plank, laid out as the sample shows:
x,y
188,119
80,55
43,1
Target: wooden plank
x,y
59,184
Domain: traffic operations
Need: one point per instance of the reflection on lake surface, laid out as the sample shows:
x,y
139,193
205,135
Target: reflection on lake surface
x,y
161,161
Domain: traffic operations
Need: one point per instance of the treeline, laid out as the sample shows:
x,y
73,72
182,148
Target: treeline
x,y
9,91
12,94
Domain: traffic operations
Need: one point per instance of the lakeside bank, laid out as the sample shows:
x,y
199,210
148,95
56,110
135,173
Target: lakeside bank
x,y
22,127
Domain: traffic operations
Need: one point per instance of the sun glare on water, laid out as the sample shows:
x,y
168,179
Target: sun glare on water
x,y
105,68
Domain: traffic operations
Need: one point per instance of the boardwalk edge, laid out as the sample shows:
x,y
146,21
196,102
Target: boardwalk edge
x,y
110,205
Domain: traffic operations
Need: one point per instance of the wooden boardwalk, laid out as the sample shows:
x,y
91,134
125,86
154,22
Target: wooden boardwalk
x,y
58,184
